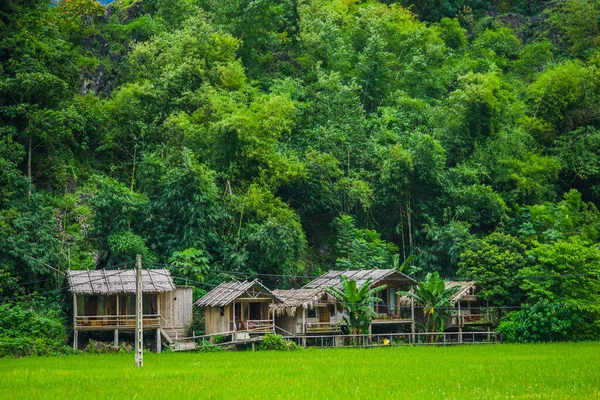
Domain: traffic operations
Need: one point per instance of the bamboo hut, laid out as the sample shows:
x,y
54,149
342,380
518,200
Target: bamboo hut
x,y
104,300
312,309
469,313
469,310
238,309
305,311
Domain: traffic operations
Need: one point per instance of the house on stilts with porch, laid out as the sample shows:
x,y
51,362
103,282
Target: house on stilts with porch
x,y
104,300
312,310
238,310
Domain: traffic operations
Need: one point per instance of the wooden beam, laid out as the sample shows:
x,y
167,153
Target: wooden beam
x,y
75,333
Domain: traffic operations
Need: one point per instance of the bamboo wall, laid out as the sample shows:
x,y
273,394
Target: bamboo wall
x,y
214,322
176,307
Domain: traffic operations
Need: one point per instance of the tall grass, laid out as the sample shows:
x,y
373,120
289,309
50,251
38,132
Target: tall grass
x,y
561,371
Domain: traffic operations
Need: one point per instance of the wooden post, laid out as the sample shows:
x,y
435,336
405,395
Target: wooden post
x,y
303,327
234,328
158,343
273,315
459,321
139,328
116,340
412,315
75,331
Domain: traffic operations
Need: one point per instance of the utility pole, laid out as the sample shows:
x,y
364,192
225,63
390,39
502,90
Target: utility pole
x,y
139,330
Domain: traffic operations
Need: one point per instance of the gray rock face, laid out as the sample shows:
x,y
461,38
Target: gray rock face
x,y
98,82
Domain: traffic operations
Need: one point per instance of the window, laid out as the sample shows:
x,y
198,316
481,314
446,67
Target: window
x,y
90,305
222,311
149,304
312,313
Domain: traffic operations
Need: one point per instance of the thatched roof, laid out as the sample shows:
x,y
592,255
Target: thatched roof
x,y
107,282
227,292
464,289
293,299
332,278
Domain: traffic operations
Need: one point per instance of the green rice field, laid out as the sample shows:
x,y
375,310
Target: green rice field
x,y
556,371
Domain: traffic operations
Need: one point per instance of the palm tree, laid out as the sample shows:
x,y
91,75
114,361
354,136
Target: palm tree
x,y
358,302
435,299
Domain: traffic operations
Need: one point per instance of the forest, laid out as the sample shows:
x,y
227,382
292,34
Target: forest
x,y
279,139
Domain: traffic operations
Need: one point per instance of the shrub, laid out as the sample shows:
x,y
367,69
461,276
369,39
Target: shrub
x,y
29,330
544,322
95,347
277,342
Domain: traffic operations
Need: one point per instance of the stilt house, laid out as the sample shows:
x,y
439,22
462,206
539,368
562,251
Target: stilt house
x,y
238,309
469,310
313,310
104,300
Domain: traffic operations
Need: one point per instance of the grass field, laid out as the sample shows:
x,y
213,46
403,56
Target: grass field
x,y
560,371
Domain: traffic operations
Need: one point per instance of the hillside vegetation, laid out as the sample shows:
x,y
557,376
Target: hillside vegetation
x,y
280,139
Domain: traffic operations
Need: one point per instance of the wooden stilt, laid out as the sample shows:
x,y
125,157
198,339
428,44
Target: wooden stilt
x,y
75,332
116,339
303,327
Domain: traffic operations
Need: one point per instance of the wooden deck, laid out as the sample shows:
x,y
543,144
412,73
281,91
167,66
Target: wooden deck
x,y
378,321
481,318
322,327
110,322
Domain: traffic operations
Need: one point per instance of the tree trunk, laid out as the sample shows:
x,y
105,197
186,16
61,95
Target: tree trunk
x,y
409,221
29,168
133,169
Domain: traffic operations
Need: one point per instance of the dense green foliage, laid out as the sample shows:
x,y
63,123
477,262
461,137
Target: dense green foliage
x,y
557,370
31,329
278,139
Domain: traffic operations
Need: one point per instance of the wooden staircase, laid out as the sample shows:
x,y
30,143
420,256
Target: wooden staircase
x,y
177,340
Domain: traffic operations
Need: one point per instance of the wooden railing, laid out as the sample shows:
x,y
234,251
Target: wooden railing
x,y
323,327
472,318
259,325
392,312
116,321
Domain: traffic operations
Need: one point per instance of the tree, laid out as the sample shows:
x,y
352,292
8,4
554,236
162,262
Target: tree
x,y
435,299
362,248
189,263
564,272
577,21
494,262
358,302
117,211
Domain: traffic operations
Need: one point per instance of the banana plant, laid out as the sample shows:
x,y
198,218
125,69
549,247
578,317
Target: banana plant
x,y
358,302
435,299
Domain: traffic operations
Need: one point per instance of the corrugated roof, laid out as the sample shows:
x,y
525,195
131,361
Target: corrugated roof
x,y
332,278
226,292
106,282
